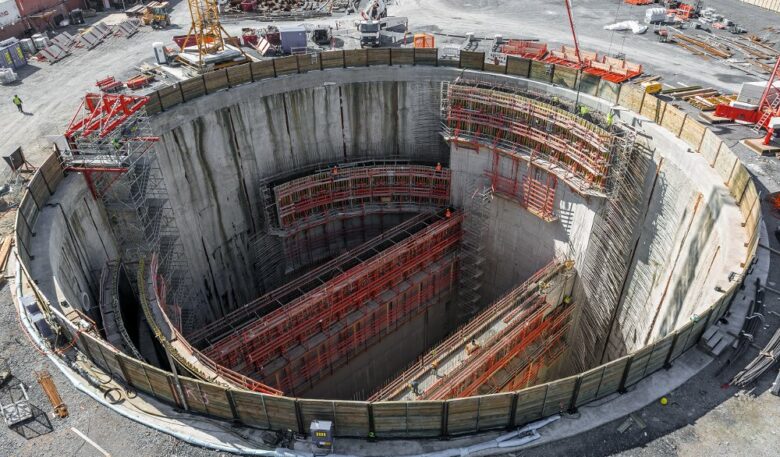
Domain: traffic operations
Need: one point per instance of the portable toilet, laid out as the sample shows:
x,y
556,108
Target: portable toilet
x,y
11,54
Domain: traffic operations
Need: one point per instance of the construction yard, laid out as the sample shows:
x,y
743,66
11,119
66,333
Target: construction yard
x,y
287,234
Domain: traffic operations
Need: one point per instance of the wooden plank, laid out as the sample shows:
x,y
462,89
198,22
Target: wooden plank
x,y
559,394
725,163
660,351
613,374
631,97
332,59
263,69
589,386
494,411
426,56
530,404
589,84
472,60
541,71
424,418
5,250
351,418
308,62
193,88
250,408
609,91
518,66
710,145
239,74
462,415
390,419
286,65
495,68
355,58
377,56
170,96
401,56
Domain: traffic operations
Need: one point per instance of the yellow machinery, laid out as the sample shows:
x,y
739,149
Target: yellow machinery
x,y
206,32
157,14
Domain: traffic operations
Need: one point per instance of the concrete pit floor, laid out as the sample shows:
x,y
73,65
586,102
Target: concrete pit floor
x,y
704,417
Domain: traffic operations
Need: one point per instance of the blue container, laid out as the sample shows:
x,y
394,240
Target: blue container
x,y
293,38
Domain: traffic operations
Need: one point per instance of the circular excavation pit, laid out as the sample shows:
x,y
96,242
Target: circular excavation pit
x,y
418,252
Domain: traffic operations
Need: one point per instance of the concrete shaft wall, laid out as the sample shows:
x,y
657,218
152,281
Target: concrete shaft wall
x,y
217,148
216,156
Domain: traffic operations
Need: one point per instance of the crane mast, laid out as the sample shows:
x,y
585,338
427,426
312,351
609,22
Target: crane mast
x,y
206,29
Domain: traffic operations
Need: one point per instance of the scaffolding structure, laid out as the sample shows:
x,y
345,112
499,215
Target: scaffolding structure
x,y
504,345
533,189
305,339
472,256
111,143
302,216
481,115
608,258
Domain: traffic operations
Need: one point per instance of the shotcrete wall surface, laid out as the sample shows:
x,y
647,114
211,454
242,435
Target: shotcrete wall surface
x,y
217,149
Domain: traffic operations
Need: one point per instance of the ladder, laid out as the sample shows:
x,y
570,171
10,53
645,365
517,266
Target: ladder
x,y
772,111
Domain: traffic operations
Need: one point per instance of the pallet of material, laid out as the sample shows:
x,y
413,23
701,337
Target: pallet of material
x,y
710,103
5,251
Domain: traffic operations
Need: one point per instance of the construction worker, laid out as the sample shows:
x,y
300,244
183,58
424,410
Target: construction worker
x,y
117,145
610,118
438,166
18,102
584,110
448,213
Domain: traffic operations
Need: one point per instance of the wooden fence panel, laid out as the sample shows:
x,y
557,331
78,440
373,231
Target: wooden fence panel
x,y
401,56
530,404
559,394
660,352
495,68
462,415
631,97
286,65
332,59
193,88
472,60
589,386
352,418
170,96
250,407
541,71
636,371
613,374
263,69
589,84
692,133
308,62
609,91
426,57
216,80
518,66
281,412
153,106
355,58
725,164
424,418
494,411
239,74
566,77
673,119
652,107
378,56
710,145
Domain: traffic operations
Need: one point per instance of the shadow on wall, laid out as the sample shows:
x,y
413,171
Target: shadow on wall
x,y
697,262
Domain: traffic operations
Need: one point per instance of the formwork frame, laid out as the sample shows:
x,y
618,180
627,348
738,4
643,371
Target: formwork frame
x,y
247,314
534,190
477,114
537,328
502,309
278,333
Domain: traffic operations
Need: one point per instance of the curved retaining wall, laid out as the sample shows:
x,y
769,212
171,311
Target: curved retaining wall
x,y
408,419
